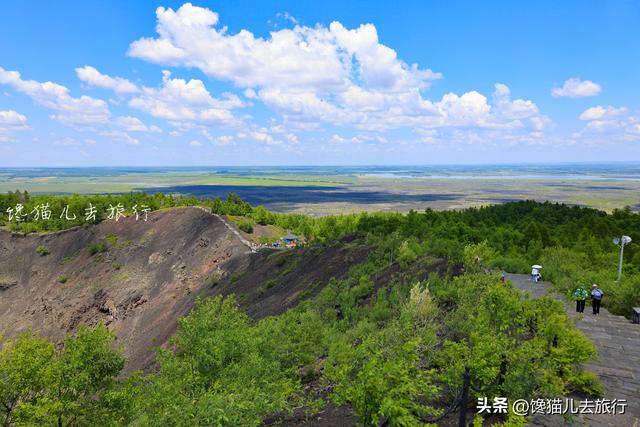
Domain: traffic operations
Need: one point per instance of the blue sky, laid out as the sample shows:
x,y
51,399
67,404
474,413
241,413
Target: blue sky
x,y
256,83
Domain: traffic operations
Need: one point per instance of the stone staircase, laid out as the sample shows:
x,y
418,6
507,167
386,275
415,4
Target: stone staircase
x,y
618,365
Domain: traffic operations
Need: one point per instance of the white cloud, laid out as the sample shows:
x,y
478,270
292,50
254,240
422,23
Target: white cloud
x,y
120,136
598,112
76,111
261,135
576,88
13,119
310,76
609,124
218,140
518,109
317,57
10,122
335,75
195,143
83,113
93,77
287,16
224,139
179,100
264,137
134,124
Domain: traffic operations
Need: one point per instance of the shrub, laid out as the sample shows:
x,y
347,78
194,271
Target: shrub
x,y
112,239
478,256
246,226
97,248
406,254
62,278
42,250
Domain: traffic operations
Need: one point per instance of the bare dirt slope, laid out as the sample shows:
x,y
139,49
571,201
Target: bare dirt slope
x,y
148,276
270,282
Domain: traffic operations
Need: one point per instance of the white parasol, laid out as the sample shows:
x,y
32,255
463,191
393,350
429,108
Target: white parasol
x,y
536,266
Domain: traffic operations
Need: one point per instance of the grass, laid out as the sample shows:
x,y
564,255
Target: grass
x,y
111,239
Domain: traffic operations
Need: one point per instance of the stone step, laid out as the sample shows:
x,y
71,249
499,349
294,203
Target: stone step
x,y
617,340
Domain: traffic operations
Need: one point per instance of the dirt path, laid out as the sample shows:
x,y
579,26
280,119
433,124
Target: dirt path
x,y
244,241
618,344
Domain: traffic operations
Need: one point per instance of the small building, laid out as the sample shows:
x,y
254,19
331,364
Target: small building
x,y
291,240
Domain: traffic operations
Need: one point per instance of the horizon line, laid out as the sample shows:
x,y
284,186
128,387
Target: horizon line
x,y
590,162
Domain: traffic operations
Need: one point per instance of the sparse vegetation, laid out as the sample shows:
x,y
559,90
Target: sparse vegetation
x,y
213,279
97,248
62,279
111,239
42,250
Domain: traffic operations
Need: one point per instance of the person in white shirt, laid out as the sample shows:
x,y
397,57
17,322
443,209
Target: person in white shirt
x,y
535,274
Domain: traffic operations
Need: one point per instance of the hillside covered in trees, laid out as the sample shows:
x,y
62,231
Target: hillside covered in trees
x,y
387,342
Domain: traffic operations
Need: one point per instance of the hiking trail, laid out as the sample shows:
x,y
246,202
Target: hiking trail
x,y
617,340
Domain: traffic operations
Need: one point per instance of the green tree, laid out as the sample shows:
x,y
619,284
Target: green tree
x,y
69,387
217,374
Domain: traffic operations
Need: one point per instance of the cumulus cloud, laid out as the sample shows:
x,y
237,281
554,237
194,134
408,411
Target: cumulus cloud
x,y
599,113
303,57
610,124
77,111
179,100
576,88
13,119
310,76
93,77
10,122
334,75
134,124
83,113
259,135
514,110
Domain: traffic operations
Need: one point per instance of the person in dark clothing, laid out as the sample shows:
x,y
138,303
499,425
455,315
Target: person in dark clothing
x,y
596,298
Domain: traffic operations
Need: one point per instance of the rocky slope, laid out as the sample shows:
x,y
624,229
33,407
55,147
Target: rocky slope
x,y
140,277
137,277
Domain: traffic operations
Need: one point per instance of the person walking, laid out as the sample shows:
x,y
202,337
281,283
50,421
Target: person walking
x,y
535,273
581,296
596,298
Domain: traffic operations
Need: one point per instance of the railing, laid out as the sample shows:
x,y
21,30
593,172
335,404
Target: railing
x,y
462,400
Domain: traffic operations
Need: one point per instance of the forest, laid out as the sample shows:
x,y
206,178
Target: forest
x,y
395,354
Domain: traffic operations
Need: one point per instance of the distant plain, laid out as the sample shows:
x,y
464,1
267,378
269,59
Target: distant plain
x,y
340,189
